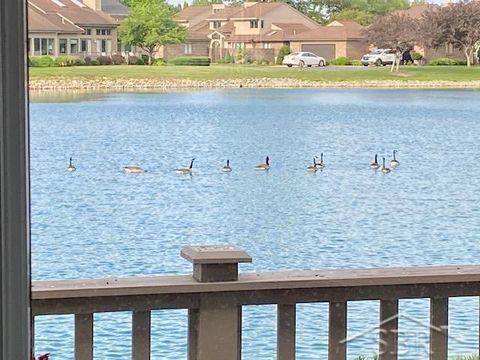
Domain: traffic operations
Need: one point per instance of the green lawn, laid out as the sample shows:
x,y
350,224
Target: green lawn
x,y
425,73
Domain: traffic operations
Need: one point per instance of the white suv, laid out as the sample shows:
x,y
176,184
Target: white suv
x,y
379,57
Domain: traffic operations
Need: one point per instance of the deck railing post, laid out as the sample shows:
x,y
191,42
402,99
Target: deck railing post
x,y
215,327
439,328
388,330
337,331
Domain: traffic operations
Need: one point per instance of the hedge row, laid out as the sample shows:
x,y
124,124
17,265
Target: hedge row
x,y
191,60
343,60
49,61
447,61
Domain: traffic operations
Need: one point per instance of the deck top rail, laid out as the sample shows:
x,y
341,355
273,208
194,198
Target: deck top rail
x,y
215,294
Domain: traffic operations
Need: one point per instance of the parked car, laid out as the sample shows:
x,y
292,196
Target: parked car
x,y
302,59
379,57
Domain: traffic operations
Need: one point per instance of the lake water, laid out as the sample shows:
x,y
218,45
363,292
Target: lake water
x,y
100,222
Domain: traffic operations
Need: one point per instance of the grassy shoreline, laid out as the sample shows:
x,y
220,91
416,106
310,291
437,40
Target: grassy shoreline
x,y
122,76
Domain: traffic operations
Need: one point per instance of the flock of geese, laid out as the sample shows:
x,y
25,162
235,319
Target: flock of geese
x,y
316,166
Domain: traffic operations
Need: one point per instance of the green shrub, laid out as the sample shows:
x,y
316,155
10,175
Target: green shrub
x,y
65,60
265,62
356,62
94,62
447,61
104,60
191,60
42,61
79,62
118,59
227,59
88,60
140,61
282,52
342,60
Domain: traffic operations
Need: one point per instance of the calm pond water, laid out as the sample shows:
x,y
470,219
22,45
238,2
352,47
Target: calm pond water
x,y
100,222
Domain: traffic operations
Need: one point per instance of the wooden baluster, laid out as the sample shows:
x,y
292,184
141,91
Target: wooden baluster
x,y
83,336
439,328
286,328
388,347
337,333
192,333
141,324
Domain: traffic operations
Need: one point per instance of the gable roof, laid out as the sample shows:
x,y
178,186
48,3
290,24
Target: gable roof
x,y
415,11
337,30
75,11
114,7
255,11
42,22
193,11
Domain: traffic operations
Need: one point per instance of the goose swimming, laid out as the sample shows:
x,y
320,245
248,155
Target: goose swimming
x,y
71,167
385,170
133,169
185,171
394,163
264,166
374,164
227,168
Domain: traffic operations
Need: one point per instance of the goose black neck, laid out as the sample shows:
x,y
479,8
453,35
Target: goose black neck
x,y
266,160
191,163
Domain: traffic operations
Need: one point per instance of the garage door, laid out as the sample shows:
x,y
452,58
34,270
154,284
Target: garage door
x,y
326,51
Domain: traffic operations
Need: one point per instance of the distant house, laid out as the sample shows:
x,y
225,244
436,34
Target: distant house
x,y
339,38
70,27
261,29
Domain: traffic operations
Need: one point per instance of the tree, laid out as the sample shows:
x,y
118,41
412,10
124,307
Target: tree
x,y
151,25
399,32
456,24
360,16
379,7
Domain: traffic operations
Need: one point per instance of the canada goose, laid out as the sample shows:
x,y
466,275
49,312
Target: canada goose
x,y
314,167
265,166
227,168
133,169
321,165
185,171
71,167
385,170
394,163
374,164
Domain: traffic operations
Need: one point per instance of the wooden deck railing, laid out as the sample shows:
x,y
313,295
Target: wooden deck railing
x,y
215,294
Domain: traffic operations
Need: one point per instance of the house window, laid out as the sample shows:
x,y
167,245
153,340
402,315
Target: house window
x,y
188,49
103,32
73,46
261,24
62,46
253,24
267,45
83,45
36,46
216,24
89,31
43,43
50,46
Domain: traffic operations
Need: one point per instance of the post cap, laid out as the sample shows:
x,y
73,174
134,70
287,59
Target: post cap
x,y
215,254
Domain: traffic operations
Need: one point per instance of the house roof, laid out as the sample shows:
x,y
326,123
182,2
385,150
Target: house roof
x,y
192,11
114,7
226,13
39,21
75,11
415,11
255,11
337,30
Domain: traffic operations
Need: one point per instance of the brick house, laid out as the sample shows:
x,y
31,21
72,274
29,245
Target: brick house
x,y
70,27
260,28
339,38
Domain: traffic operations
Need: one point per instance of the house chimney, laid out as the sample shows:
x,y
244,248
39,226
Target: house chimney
x,y
94,4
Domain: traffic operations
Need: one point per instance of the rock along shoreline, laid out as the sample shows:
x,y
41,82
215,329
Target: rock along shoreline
x,y
176,84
